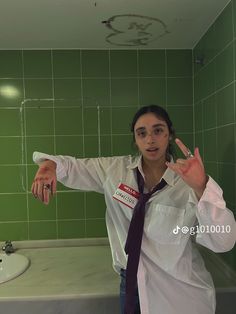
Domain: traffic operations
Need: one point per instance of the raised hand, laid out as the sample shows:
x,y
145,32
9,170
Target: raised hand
x,y
191,169
44,182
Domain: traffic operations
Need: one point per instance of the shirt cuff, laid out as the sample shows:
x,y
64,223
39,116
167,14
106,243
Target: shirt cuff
x,y
212,194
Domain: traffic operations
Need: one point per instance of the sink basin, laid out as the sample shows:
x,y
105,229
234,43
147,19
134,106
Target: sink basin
x,y
12,265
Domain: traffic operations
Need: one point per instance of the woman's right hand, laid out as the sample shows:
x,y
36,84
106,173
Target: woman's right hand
x,y
45,181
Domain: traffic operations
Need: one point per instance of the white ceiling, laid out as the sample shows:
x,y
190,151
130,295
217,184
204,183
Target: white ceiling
x,y
59,24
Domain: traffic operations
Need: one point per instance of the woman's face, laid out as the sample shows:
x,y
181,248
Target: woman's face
x,y
152,137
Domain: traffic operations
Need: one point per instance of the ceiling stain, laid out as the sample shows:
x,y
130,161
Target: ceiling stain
x,y
134,30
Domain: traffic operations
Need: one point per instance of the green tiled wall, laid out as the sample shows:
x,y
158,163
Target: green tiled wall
x,y
80,103
215,106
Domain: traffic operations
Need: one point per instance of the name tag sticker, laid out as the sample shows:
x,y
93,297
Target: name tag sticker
x,y
126,195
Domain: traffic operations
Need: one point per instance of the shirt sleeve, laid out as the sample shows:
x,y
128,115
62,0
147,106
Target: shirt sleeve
x,y
217,226
87,174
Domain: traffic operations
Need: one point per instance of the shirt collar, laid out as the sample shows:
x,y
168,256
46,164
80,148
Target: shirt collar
x,y
169,175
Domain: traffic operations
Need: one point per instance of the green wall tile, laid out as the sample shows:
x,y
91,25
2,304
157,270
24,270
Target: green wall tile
x,y
210,145
11,179
211,169
234,16
37,63
42,230
71,145
11,64
124,92
95,63
197,87
122,145
122,119
95,205
91,117
223,28
105,120
66,63
96,228
11,150
198,138
198,53
96,92
70,205
227,181
38,88
209,44
225,105
68,121
40,211
39,121
208,79
226,142
31,172
152,91
14,231
67,91
178,114
198,116
71,229
11,92
151,63
40,144
123,63
179,91
209,112
229,257
13,207
105,145
224,69
91,146
179,63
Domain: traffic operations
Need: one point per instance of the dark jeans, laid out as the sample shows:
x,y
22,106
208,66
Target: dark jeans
x,y
122,295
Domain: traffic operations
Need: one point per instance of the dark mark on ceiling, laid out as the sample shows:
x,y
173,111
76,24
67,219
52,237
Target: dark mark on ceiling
x,y
134,30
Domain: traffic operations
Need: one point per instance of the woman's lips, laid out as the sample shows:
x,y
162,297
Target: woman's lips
x,y
152,150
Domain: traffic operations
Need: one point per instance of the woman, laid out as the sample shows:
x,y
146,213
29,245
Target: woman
x,y
171,277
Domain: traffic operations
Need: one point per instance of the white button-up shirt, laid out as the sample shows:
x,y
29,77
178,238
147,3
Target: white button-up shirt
x,y
172,278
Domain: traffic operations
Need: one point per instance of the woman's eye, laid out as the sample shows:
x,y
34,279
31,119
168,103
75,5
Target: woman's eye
x,y
158,131
142,134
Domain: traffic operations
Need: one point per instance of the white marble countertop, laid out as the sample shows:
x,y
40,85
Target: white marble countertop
x,y
64,272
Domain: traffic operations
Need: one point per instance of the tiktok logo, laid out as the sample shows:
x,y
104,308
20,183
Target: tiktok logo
x,y
176,230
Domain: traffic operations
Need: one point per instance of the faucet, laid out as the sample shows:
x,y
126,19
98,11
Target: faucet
x,y
8,247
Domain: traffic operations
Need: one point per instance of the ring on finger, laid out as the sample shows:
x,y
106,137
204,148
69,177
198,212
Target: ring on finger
x,y
47,186
189,154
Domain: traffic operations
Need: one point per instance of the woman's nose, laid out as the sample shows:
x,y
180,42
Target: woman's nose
x,y
150,138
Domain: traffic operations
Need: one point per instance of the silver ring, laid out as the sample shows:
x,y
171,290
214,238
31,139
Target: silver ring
x,y
47,186
189,154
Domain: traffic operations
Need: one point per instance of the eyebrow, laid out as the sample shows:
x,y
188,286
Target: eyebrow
x,y
154,126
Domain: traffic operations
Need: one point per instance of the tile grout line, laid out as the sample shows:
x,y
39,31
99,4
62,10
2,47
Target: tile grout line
x,y
24,147
54,133
110,99
83,135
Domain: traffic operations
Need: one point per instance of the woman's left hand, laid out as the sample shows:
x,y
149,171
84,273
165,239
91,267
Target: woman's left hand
x,y
191,169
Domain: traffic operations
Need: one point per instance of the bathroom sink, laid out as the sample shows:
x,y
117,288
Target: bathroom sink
x,y
12,265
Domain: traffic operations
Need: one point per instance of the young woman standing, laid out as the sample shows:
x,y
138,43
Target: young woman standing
x,y
152,204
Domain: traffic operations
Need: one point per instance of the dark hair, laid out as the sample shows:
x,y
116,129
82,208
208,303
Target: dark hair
x,y
160,113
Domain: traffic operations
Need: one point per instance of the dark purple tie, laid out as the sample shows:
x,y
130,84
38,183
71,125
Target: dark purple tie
x,y
134,241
